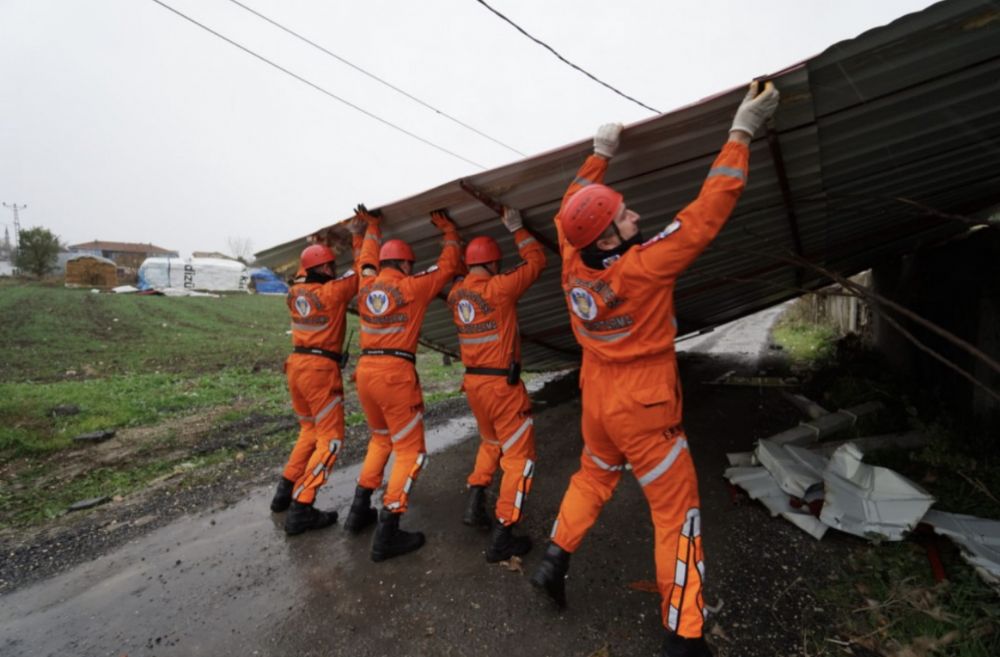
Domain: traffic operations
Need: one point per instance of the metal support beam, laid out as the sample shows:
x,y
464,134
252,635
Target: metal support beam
x,y
786,194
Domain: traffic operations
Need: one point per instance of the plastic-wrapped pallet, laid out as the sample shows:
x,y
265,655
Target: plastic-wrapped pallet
x,y
211,274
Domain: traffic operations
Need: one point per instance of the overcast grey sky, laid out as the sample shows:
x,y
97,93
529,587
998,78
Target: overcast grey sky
x,y
121,121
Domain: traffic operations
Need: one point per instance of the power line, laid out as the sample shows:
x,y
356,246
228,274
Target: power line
x,y
566,61
319,88
375,77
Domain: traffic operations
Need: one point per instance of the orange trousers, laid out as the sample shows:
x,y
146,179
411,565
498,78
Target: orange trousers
x,y
631,415
390,396
318,400
503,413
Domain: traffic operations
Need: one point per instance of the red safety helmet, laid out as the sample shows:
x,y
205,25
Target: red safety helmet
x,y
395,250
482,250
316,255
588,212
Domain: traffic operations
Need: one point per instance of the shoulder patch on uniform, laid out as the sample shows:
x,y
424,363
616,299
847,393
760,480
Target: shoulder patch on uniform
x,y
429,270
671,228
346,274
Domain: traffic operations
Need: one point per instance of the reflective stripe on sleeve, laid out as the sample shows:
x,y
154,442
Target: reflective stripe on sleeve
x,y
583,182
663,465
732,172
524,243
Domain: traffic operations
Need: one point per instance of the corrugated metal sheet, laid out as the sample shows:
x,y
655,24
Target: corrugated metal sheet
x,y
910,110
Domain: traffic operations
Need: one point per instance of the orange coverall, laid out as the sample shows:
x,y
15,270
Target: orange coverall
x,y
485,312
623,317
392,307
318,313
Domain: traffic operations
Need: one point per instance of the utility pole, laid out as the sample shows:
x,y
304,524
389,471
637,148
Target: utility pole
x,y
17,226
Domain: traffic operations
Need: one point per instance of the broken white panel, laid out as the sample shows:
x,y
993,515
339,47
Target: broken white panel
x,y
811,432
791,475
902,440
742,459
979,539
761,486
806,406
870,501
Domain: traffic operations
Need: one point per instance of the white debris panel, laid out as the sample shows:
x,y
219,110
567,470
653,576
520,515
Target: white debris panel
x,y
870,501
979,539
858,498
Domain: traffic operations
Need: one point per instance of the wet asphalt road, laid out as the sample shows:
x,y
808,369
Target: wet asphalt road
x,y
229,582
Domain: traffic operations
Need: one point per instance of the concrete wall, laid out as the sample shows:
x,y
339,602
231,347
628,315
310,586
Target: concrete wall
x,y
956,286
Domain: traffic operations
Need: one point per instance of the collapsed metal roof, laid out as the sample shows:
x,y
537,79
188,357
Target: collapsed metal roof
x,y
908,112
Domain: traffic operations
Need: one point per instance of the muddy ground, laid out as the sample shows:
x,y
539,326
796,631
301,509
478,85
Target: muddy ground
x,y
205,569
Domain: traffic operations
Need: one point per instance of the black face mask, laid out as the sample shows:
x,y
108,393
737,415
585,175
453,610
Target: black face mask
x,y
317,277
597,258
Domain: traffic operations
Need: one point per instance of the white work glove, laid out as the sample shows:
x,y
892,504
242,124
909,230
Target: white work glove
x,y
512,219
606,140
756,109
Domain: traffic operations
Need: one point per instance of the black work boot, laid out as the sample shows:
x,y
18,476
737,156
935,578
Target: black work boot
x,y
676,645
361,514
282,495
504,544
551,574
475,508
391,541
303,517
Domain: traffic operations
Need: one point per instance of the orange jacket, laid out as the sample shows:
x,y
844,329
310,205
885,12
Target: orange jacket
x,y
485,308
392,305
626,311
318,310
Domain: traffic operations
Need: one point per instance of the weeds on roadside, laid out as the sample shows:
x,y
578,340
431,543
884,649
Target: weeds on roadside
x,y
889,604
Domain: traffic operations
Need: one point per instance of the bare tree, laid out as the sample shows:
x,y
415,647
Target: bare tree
x,y
241,248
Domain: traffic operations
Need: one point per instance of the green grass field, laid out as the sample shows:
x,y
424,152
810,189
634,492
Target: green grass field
x,y
129,363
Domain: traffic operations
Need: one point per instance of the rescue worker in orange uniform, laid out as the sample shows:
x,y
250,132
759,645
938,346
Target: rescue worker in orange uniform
x,y
318,308
484,305
391,306
619,290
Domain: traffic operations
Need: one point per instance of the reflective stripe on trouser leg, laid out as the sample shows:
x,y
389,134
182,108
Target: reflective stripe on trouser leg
x,y
319,469
404,495
523,488
588,491
688,552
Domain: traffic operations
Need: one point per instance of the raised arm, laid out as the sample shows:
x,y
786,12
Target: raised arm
x,y
366,255
516,281
592,171
449,264
672,250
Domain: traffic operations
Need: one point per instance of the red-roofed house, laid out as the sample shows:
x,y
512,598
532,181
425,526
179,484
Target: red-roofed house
x,y
127,255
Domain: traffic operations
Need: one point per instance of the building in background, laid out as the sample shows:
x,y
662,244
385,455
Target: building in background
x,y
126,255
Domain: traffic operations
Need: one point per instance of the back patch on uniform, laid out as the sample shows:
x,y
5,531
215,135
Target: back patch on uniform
x,y
466,311
302,306
377,302
583,303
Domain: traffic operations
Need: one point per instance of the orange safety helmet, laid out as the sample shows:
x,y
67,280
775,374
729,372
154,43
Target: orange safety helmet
x,y
316,255
395,250
482,250
588,212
